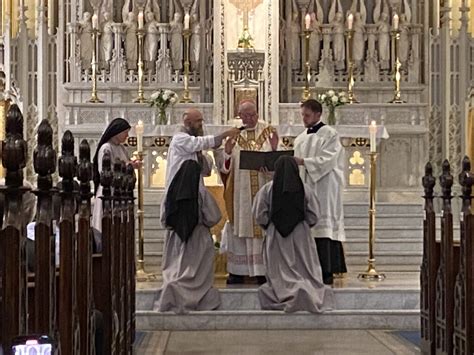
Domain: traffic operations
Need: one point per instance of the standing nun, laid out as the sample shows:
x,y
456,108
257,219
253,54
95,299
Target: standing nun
x,y
287,209
111,141
188,212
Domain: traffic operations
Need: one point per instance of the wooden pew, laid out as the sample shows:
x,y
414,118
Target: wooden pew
x,y
13,312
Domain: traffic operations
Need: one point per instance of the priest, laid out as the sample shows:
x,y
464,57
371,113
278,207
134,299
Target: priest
x,y
242,237
190,142
320,155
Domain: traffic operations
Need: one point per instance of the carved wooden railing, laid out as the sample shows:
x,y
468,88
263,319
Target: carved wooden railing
x,y
87,284
447,283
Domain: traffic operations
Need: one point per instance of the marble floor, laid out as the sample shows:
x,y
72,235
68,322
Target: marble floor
x,y
275,342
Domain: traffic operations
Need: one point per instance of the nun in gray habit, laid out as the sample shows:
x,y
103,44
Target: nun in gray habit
x,y
188,212
287,209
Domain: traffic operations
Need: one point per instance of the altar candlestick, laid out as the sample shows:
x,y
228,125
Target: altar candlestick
x,y
307,21
350,21
186,21
95,22
139,131
140,20
396,21
373,135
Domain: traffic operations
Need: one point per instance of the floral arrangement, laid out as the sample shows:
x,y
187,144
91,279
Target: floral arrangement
x,y
161,99
332,99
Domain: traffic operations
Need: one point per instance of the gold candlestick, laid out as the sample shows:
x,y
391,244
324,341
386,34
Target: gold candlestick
x,y
397,76
371,274
306,93
95,64
350,61
141,97
141,275
186,95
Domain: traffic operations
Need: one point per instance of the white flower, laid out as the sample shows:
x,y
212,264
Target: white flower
x,y
331,93
342,94
165,96
335,99
343,99
169,92
323,97
173,100
155,95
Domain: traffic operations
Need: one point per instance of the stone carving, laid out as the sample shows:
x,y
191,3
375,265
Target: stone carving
x,y
176,34
85,39
358,43
383,28
151,39
131,45
107,40
315,41
358,6
338,44
335,8
154,7
126,10
404,42
295,29
195,42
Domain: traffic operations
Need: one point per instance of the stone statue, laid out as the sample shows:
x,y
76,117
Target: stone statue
x,y
86,45
153,6
152,38
295,29
315,42
176,35
195,42
107,6
404,42
358,43
107,39
131,43
383,28
338,41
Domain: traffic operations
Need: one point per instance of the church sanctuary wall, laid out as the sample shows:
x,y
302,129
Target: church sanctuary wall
x,y
49,72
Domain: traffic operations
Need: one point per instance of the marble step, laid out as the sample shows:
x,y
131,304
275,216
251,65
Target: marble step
x,y
354,309
351,245
350,298
400,219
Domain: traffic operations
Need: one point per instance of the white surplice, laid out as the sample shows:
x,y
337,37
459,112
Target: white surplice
x,y
323,170
184,147
243,239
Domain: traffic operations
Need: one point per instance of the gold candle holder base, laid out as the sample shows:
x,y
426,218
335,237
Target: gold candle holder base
x,y
96,100
141,275
371,274
141,97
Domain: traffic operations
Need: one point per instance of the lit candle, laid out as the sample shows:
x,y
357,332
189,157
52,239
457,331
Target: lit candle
x,y
139,132
140,20
95,22
186,21
373,137
350,21
307,21
396,20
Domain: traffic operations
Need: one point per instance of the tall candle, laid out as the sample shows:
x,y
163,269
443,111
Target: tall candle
x,y
139,131
95,22
373,137
307,21
396,20
350,21
186,21
140,20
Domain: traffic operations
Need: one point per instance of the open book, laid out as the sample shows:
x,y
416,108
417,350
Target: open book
x,y
254,160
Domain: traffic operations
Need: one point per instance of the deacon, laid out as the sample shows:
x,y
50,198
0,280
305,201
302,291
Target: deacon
x,y
190,142
188,212
287,209
242,237
320,155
